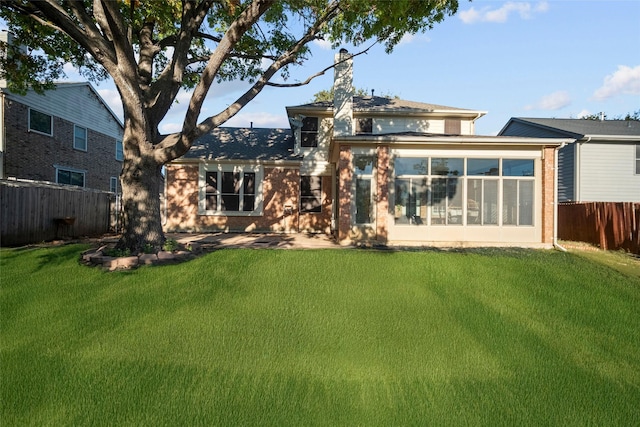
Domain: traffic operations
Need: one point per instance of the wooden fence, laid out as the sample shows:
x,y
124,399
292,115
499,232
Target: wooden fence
x,y
32,212
606,224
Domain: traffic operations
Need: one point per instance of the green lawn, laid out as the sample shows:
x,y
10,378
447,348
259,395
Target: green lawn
x,y
327,337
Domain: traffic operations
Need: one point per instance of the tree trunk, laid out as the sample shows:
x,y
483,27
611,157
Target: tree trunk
x,y
141,179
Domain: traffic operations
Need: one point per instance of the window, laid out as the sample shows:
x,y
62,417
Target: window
x,y
113,184
363,174
309,132
364,126
411,190
79,138
486,192
310,194
40,122
119,150
228,189
637,159
70,176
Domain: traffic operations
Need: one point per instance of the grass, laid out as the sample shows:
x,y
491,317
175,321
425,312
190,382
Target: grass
x,y
328,337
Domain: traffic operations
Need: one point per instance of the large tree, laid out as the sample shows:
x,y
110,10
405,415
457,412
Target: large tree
x,y
152,49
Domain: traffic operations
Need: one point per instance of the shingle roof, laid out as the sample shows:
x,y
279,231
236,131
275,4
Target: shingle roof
x,y
226,143
581,127
380,103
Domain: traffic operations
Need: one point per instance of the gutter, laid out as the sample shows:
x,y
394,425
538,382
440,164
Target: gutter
x,y
555,199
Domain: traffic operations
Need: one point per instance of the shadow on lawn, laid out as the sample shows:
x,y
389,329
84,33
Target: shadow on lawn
x,y
59,255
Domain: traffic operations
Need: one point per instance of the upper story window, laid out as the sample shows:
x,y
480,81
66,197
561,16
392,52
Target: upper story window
x,y
364,126
79,138
309,133
113,184
119,150
40,122
637,159
70,176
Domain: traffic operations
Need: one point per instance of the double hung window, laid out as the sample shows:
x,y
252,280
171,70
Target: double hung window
x,y
119,150
79,138
309,132
363,180
310,194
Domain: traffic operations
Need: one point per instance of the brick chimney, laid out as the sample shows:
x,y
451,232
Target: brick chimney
x,y
343,94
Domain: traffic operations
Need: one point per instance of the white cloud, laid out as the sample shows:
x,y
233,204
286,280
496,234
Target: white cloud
x,y
583,113
553,101
412,38
624,81
112,98
500,15
323,44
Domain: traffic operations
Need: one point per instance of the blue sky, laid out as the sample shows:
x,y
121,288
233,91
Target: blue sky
x,y
554,58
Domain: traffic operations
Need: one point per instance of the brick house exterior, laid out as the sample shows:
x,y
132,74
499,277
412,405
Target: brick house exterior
x,y
370,170
83,144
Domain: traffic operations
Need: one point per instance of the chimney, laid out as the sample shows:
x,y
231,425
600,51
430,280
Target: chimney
x,y
343,94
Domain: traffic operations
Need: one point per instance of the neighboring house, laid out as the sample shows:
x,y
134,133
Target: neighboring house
x,y
67,136
601,165
370,169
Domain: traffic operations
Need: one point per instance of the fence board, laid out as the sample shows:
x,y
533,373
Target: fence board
x,y
28,210
608,225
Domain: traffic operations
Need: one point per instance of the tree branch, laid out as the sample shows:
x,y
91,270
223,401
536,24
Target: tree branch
x,y
320,73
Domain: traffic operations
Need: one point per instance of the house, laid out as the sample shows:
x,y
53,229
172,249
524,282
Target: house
x,y
601,164
68,135
370,170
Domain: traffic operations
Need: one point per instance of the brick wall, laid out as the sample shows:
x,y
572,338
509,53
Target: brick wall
x,y
281,188
382,193
344,194
30,155
548,193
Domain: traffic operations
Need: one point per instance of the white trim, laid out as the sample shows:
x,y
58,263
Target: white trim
x,y
222,167
86,138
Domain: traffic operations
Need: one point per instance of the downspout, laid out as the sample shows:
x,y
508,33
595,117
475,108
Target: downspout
x,y
555,199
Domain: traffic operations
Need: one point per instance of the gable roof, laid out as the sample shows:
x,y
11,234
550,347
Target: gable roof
x,y
375,104
261,144
582,128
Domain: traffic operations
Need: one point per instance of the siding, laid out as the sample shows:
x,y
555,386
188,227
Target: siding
x,y
607,173
75,103
522,129
566,173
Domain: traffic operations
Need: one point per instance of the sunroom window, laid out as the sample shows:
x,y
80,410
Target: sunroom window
x,y
464,191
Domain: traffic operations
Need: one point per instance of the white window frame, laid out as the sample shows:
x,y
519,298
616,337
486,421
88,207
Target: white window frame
x,y
50,133
637,157
315,132
114,184
303,197
72,170
372,177
464,182
75,138
119,152
258,170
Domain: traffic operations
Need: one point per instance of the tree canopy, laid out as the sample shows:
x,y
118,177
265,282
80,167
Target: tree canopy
x,y
152,49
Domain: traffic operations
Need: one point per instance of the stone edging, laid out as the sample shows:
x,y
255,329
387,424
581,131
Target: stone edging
x,y
96,257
